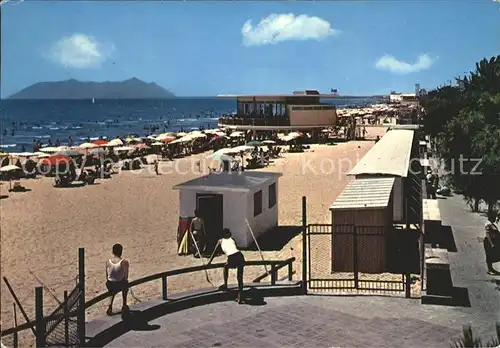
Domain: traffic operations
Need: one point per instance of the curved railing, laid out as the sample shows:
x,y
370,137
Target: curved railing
x,y
275,266
278,121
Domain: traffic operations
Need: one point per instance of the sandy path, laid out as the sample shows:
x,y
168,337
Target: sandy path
x,y
41,230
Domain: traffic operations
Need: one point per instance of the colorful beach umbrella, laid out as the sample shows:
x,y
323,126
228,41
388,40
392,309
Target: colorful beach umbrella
x,y
115,142
55,160
100,142
87,146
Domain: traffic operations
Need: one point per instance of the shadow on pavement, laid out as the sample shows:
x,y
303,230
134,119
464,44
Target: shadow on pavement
x,y
136,322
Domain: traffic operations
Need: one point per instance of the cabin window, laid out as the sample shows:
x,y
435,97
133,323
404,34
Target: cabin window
x,y
272,195
257,203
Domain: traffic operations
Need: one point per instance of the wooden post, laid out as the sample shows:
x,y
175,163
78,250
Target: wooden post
x,y
406,256
15,342
66,319
164,288
274,273
39,320
355,256
304,245
81,299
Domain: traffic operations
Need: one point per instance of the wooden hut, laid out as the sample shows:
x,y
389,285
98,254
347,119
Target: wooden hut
x,y
362,217
396,155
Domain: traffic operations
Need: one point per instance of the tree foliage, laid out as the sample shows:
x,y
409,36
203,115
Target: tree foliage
x,y
465,121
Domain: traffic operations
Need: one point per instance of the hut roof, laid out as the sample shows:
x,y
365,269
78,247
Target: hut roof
x,y
234,181
390,156
365,193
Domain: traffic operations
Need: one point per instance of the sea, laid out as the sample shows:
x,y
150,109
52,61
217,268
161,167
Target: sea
x,y
23,121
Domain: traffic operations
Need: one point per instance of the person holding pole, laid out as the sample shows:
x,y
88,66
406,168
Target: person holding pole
x,y
235,259
198,229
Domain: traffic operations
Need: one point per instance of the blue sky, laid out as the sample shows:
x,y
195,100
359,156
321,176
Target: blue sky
x,y
209,48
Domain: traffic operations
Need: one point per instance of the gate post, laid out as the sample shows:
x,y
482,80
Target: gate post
x,y
304,245
355,255
81,298
39,320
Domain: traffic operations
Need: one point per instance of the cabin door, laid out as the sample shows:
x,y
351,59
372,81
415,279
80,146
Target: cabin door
x,y
210,208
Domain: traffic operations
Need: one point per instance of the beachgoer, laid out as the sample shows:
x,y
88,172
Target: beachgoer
x,y
430,185
198,230
235,259
377,139
491,243
117,277
156,167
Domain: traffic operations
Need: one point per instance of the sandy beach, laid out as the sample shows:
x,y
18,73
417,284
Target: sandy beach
x,y
41,230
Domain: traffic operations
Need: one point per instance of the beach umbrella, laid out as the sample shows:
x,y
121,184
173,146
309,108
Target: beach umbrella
x,y
69,153
157,143
254,143
197,135
87,146
124,148
295,134
97,152
49,149
41,154
115,142
141,147
100,142
219,153
23,154
269,142
242,148
167,140
3,154
237,134
55,160
181,134
9,168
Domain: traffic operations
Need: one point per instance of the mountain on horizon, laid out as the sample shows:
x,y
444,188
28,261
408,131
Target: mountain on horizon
x,y
73,89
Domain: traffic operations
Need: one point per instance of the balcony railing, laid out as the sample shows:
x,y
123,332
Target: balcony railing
x,y
278,121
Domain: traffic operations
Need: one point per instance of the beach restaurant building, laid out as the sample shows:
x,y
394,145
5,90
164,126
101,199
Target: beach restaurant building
x,y
302,110
239,201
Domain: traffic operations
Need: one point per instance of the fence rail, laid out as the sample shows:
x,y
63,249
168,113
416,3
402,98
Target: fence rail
x,y
276,265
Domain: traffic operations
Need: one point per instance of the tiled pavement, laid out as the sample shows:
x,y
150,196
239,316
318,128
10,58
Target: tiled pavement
x,y
326,321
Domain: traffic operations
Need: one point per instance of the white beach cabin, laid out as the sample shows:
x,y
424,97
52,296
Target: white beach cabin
x,y
225,200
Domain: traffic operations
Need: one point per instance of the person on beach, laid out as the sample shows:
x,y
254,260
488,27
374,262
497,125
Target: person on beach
x,y
235,259
491,243
198,229
117,277
156,167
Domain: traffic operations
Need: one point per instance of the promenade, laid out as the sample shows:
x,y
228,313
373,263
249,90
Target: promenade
x,y
335,321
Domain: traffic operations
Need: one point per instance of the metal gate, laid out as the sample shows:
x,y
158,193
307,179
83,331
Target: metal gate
x,y
61,326
352,260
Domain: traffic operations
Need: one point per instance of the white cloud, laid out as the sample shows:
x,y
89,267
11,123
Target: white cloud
x,y
391,64
80,51
282,27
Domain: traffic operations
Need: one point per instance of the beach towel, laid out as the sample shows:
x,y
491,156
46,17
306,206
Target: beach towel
x,y
184,241
184,245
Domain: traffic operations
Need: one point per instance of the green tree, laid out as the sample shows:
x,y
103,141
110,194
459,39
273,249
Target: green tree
x,y
466,123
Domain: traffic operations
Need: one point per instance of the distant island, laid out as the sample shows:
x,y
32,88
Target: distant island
x,y
73,89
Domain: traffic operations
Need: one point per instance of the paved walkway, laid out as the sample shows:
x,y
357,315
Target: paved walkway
x,y
330,321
